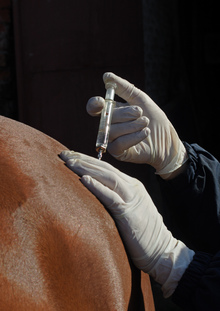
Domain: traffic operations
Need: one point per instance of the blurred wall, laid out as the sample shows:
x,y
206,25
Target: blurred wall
x,y
62,50
8,94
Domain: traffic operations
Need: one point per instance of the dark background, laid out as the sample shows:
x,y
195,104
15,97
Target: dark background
x,y
53,55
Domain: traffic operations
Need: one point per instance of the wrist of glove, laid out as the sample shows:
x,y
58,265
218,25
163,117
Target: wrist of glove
x,y
150,245
171,150
140,130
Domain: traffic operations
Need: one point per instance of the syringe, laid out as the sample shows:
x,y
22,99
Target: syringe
x,y
105,120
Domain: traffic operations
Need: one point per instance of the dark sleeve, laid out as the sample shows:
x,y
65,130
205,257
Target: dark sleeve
x,y
193,201
199,288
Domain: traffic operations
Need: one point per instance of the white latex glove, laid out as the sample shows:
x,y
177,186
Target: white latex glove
x,y
140,130
152,247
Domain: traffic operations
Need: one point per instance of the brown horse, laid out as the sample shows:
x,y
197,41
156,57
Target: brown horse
x,y
59,248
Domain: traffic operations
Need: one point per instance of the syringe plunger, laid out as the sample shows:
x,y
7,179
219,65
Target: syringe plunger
x,y
110,90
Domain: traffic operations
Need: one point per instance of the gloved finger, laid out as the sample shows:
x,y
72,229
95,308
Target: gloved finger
x,y
121,113
107,196
102,171
102,174
126,113
66,155
95,105
125,89
120,145
120,129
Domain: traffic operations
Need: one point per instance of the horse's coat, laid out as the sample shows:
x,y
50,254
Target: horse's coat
x,y
59,248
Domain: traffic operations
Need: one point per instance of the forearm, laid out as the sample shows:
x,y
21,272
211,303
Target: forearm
x,y
169,270
192,200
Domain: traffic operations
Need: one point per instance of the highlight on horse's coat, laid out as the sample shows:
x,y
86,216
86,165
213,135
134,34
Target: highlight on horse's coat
x,y
59,247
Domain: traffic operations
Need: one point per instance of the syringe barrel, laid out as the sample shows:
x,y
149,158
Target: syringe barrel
x,y
106,117
104,125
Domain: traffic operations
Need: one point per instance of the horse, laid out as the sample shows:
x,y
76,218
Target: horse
x,y
59,247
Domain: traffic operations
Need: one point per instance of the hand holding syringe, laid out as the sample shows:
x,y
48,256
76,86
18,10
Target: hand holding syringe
x,y
105,120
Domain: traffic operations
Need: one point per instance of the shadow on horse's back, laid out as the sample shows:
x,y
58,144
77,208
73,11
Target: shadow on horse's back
x,y
59,248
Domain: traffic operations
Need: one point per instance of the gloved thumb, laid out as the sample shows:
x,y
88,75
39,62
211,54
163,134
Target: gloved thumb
x,y
95,105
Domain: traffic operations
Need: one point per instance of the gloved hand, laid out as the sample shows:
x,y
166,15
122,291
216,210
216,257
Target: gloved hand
x,y
140,130
151,246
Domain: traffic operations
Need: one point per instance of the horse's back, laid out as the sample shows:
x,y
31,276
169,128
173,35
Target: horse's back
x,y
59,248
